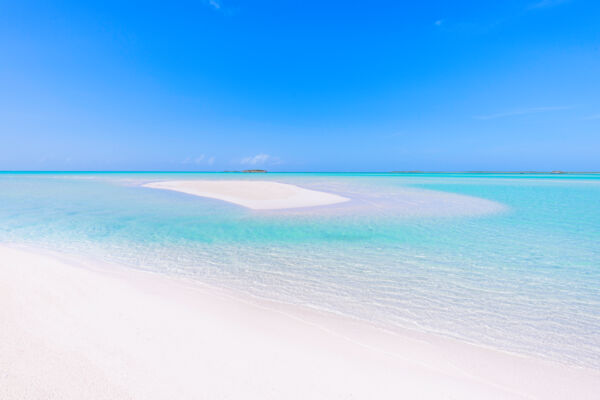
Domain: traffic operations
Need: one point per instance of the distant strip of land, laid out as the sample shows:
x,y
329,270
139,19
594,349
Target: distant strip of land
x,y
496,172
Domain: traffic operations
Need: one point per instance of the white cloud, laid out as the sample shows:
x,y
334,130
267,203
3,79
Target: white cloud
x,y
596,116
216,4
547,3
260,159
439,22
201,159
257,159
524,111
221,6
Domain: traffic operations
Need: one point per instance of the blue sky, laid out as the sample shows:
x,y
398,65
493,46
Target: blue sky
x,y
300,85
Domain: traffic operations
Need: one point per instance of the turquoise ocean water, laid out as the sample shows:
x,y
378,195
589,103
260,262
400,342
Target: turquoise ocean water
x,y
507,261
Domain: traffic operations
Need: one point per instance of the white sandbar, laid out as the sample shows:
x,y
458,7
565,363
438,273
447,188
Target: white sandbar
x,y
257,195
76,329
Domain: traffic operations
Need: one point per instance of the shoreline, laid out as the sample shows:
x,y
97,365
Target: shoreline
x,y
80,328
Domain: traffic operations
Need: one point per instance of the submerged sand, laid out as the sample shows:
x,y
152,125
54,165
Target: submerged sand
x,y
257,195
76,329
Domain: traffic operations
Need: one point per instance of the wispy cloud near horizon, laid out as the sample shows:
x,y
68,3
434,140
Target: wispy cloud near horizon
x,y
201,159
260,159
591,117
524,111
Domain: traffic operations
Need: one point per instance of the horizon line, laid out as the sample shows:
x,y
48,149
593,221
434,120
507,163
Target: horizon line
x,y
554,172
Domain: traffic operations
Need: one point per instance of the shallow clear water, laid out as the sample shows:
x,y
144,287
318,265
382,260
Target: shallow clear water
x,y
508,261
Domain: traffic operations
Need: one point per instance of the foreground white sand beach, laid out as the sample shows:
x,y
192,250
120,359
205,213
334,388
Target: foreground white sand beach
x,y
75,329
257,195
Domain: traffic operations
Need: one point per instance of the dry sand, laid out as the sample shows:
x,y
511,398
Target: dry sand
x,y
257,195
76,329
